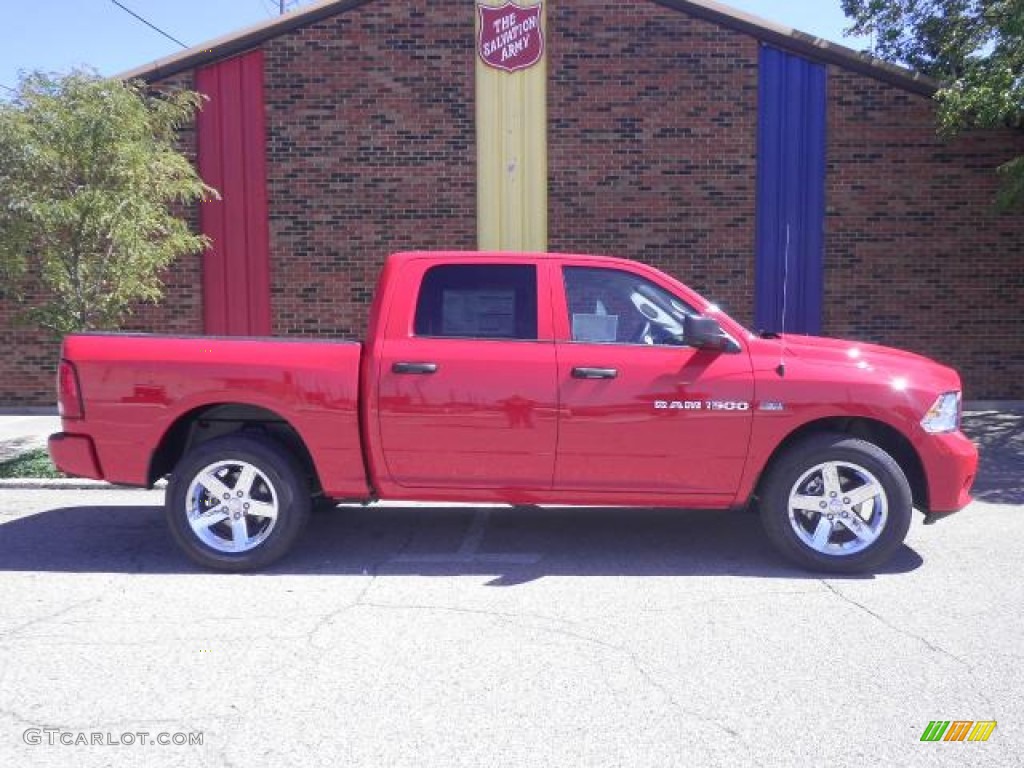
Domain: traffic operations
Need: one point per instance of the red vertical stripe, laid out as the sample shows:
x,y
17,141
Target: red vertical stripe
x,y
211,217
256,199
232,158
234,195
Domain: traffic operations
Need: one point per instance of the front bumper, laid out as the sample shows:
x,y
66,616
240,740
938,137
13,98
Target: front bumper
x,y
950,465
74,455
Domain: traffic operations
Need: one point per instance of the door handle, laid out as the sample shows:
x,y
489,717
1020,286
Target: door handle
x,y
594,373
420,368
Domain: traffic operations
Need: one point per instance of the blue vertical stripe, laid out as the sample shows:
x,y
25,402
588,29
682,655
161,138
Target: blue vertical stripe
x,y
790,193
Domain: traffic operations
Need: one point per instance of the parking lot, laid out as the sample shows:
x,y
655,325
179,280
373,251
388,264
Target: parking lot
x,y
463,636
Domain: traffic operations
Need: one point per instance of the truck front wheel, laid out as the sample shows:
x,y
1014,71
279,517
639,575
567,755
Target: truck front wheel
x,y
836,503
237,503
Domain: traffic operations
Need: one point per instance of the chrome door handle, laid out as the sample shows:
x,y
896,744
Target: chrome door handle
x,y
420,368
594,373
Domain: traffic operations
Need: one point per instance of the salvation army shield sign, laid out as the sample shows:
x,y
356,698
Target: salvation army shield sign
x,y
510,36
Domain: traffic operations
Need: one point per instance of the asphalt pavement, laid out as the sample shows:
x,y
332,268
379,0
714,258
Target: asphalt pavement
x,y
464,636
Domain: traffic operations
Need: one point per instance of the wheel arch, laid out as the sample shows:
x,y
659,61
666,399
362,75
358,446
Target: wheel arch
x,y
885,436
212,420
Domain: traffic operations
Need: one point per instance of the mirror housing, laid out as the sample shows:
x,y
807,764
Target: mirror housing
x,y
704,332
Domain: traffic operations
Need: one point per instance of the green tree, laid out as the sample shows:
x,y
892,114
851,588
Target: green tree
x,y
974,48
89,176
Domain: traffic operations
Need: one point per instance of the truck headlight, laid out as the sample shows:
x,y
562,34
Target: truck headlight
x,y
944,415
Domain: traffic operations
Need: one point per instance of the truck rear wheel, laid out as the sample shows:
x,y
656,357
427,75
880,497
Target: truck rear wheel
x,y
836,503
237,503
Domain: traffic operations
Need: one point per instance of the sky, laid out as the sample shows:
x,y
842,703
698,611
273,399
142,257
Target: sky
x,y
56,35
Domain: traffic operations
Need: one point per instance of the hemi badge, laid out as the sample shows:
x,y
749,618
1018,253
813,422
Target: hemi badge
x,y
771,405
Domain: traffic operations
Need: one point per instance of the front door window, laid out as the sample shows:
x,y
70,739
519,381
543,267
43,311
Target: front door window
x,y
610,306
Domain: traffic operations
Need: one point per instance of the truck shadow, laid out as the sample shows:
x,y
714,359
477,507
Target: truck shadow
x,y
513,546
999,436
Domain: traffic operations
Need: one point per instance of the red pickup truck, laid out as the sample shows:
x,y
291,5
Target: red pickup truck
x,y
523,379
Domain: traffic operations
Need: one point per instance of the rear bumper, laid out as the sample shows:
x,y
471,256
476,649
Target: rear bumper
x,y
950,464
74,455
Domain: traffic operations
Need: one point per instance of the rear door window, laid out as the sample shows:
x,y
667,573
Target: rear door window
x,y
478,301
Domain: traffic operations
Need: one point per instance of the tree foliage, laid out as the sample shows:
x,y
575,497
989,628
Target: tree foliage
x,y
89,175
975,48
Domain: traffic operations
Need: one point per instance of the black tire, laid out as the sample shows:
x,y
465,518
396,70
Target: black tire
x,y
855,461
276,483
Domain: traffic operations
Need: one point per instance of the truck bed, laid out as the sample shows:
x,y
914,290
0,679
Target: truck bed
x,y
137,387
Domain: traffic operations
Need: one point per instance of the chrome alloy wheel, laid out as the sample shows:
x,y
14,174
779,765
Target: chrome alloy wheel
x,y
231,506
838,508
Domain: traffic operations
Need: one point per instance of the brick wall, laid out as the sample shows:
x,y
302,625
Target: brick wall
x,y
653,135
653,143
371,150
28,362
916,254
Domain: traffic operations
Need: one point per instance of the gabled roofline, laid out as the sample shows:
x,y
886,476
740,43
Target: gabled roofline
x,y
241,40
817,48
812,47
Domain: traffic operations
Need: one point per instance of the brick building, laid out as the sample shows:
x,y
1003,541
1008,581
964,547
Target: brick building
x,y
747,159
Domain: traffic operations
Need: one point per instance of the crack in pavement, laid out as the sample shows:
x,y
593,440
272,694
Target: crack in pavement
x,y
671,699
504,616
716,600
7,633
18,717
900,630
359,599
563,631
327,618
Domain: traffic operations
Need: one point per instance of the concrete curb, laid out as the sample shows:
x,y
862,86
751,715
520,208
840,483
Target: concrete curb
x,y
70,484
29,410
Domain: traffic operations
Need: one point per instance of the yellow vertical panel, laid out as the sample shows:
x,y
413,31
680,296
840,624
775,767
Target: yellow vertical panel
x,y
535,151
488,170
512,168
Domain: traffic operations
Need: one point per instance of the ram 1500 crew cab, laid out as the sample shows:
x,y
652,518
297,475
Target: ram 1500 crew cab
x,y
524,379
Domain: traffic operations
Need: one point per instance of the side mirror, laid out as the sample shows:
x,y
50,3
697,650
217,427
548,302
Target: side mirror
x,y
705,333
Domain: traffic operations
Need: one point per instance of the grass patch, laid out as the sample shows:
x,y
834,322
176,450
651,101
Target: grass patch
x,y
35,464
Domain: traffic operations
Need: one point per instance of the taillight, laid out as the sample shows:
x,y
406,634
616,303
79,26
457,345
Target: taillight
x,y
69,394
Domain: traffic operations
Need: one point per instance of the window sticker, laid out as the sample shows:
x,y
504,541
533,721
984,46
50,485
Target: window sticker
x,y
484,313
594,328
